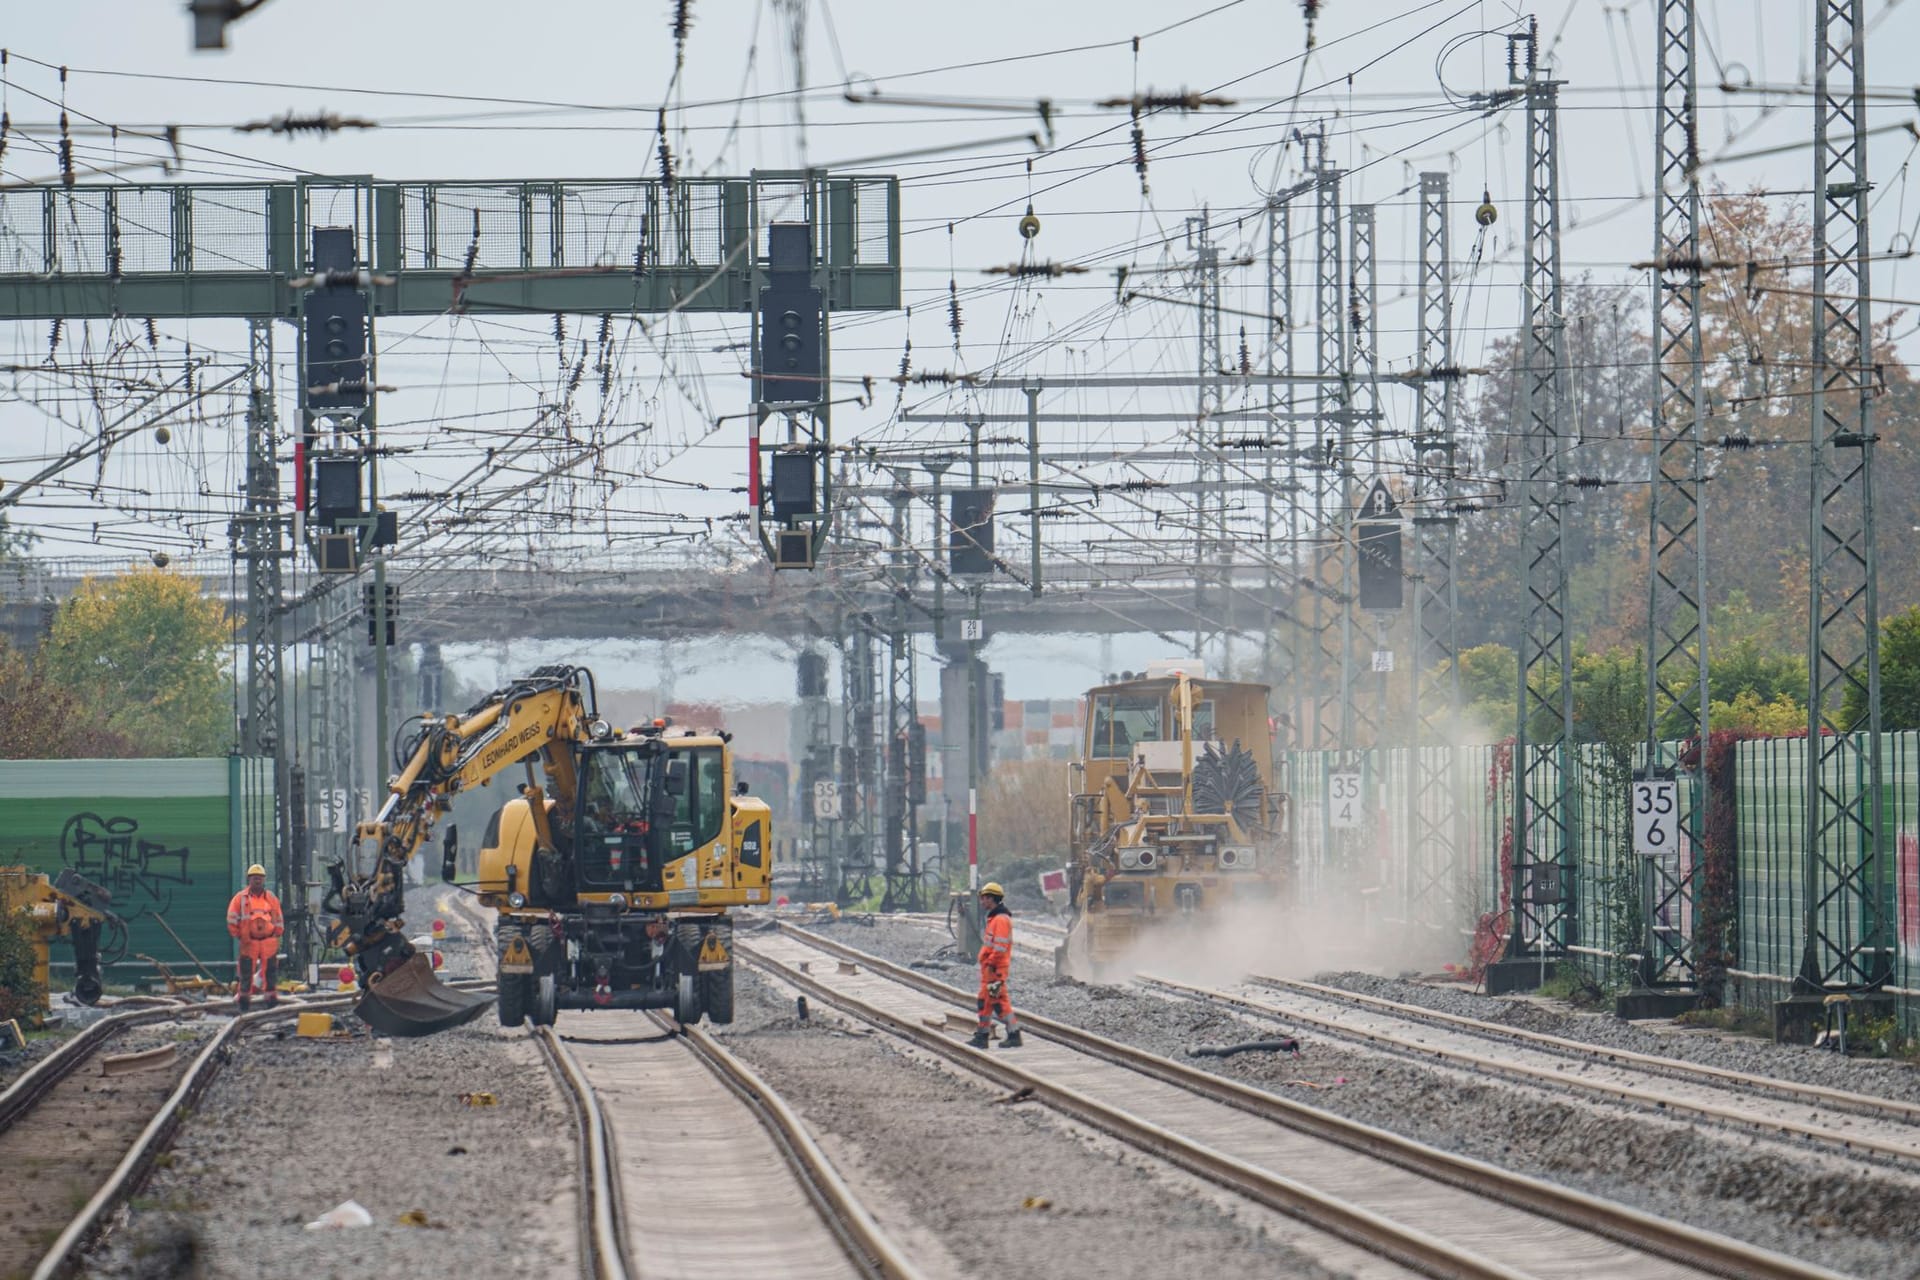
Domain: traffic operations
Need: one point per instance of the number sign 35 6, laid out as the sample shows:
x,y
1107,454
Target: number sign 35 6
x,y
1656,816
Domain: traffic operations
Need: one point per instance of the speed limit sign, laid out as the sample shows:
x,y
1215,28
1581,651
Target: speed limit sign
x,y
1656,816
826,801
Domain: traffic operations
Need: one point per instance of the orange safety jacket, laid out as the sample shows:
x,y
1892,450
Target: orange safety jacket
x,y
996,943
255,919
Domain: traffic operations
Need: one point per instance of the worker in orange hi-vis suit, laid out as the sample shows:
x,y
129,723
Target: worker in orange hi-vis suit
x,y
254,918
996,960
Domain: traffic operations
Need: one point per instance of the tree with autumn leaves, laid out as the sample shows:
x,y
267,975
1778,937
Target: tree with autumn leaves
x,y
1756,322
133,665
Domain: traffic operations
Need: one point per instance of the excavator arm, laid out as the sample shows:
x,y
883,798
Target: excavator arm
x,y
441,757
69,906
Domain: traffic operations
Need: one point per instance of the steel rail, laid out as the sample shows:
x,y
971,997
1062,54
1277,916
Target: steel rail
x,y
1352,1223
860,1232
155,1137
1891,1109
604,1244
1799,1091
1675,1241
1583,1055
35,1082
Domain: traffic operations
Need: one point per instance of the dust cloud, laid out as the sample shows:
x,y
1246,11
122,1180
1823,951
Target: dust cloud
x,y
1289,940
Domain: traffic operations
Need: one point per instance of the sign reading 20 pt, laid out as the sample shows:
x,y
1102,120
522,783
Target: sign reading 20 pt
x,y
1656,816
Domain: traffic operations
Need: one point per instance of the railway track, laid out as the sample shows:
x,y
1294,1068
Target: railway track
x,y
1437,1213
1849,1123
1839,1120
658,1101
70,1134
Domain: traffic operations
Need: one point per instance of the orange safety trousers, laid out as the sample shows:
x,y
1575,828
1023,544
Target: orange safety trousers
x,y
996,960
255,919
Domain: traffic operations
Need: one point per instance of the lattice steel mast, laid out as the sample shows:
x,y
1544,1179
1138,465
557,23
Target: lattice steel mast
x,y
1543,821
1327,467
1433,803
1848,937
1677,577
259,539
1363,406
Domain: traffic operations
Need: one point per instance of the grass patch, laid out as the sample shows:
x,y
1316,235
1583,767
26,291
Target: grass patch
x,y
1740,1021
1576,987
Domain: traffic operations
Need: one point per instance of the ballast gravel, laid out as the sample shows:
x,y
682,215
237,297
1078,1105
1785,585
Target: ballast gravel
x,y
970,1186
291,1128
1881,1078
1859,1219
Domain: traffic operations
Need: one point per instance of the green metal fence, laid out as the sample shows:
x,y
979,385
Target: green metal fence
x,y
1364,850
168,838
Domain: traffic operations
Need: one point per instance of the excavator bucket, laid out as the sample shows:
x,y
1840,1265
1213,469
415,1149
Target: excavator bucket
x,y
410,1001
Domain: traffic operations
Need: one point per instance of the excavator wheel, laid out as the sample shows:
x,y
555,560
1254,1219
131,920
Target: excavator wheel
x,y
716,993
515,989
687,1003
544,986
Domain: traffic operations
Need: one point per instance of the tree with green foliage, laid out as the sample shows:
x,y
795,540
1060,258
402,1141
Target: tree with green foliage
x,y
1489,679
1899,677
147,654
20,995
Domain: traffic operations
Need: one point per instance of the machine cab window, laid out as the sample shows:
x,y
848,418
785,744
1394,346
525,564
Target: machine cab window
x,y
612,793
701,807
1119,721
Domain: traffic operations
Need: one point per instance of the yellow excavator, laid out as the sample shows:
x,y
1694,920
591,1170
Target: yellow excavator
x,y
70,906
612,875
1173,816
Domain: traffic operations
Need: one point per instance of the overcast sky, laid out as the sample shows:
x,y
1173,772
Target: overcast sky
x,y
487,89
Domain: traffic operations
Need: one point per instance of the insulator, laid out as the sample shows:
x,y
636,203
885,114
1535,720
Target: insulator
x,y
1736,442
1029,225
1246,357
606,330
1588,482
953,311
1486,215
559,330
153,335
682,24
66,153
53,338
1140,156
666,152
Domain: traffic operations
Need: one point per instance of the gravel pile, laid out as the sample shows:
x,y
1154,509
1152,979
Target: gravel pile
x,y
1705,1046
958,1180
1835,1212
292,1128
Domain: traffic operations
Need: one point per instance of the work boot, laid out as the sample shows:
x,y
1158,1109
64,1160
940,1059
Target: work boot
x,y
246,1004
271,999
979,1040
1013,1040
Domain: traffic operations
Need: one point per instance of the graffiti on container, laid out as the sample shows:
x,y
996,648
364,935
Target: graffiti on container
x,y
141,874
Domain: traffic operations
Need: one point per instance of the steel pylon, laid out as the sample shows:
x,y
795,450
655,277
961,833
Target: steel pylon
x,y
1676,646
1847,933
1544,916
1434,814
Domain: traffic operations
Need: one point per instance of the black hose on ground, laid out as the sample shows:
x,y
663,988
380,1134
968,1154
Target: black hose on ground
x,y
1286,1044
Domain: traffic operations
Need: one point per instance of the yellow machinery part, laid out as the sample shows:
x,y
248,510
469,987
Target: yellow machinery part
x,y
518,957
713,952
